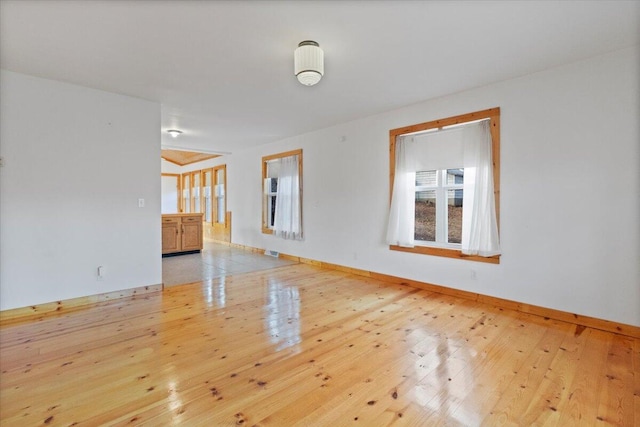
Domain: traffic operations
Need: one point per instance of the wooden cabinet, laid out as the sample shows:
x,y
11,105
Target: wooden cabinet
x,y
191,239
170,234
181,233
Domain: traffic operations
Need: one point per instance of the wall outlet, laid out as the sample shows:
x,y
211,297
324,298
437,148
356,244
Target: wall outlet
x,y
141,203
100,272
474,275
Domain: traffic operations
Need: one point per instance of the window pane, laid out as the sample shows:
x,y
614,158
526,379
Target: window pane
x,y
425,228
186,194
220,210
455,176
196,192
426,178
272,210
454,215
207,195
207,204
220,215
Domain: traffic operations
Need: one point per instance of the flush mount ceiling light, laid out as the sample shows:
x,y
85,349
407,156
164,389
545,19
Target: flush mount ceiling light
x,y
174,132
308,62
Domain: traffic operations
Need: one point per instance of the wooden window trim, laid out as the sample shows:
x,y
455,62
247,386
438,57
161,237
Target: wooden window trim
x,y
493,114
265,159
214,180
191,201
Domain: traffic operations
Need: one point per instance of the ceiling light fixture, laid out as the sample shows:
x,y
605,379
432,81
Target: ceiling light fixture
x,y
174,133
308,62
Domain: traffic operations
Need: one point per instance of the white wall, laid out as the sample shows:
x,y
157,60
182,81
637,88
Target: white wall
x,y
168,167
169,195
76,161
570,203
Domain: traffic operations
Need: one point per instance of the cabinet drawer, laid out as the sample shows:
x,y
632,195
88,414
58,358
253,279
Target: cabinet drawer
x,y
171,220
192,218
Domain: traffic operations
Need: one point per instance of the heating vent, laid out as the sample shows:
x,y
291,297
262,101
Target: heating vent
x,y
274,254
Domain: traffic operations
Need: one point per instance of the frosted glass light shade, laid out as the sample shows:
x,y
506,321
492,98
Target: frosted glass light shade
x,y
308,63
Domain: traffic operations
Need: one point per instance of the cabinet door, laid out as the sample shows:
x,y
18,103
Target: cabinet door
x,y
192,233
170,237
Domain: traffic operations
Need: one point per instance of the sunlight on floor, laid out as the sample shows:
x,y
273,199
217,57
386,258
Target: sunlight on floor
x,y
215,260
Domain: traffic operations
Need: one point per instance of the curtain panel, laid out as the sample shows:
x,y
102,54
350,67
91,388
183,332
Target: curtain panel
x,y
401,226
288,213
479,224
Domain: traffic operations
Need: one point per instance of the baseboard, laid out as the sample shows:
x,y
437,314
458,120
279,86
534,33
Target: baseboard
x,y
247,248
41,310
171,254
548,313
69,305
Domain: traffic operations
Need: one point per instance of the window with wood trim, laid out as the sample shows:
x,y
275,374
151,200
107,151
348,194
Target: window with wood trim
x,y
191,192
186,193
440,171
220,194
205,191
282,194
207,207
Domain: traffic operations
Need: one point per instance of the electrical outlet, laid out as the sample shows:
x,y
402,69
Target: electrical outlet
x,y
474,275
141,203
100,272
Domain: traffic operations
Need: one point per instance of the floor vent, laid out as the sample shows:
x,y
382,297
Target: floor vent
x,y
274,254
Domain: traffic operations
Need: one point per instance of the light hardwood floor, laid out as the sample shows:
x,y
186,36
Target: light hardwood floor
x,y
298,345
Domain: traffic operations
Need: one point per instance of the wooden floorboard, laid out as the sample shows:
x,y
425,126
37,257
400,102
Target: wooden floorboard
x,y
301,345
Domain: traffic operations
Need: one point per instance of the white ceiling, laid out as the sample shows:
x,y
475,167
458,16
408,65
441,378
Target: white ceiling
x,y
223,70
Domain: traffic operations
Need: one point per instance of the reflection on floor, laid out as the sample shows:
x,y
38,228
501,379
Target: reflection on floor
x,y
215,260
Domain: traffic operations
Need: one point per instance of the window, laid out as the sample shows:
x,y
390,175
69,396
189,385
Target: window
x,y
282,194
220,193
445,179
186,193
212,191
191,195
195,192
206,195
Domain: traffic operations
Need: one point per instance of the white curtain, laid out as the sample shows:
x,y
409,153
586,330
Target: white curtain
x,y
288,214
479,224
400,230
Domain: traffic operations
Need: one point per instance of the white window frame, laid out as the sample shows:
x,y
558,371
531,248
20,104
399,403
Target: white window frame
x,y
442,209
